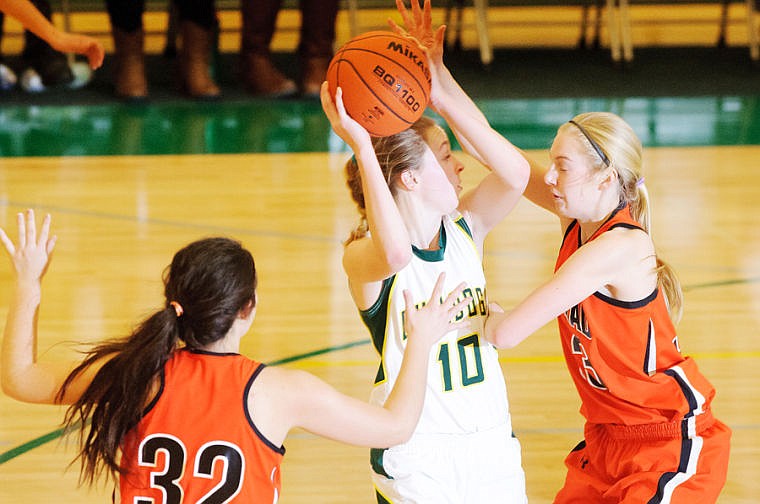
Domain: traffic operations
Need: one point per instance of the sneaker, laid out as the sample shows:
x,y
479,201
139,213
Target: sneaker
x,y
8,79
32,81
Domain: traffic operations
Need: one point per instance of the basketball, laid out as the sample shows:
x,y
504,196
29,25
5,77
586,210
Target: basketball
x,y
385,81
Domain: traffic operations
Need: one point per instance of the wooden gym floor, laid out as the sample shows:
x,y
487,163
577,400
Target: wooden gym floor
x,y
120,217
119,220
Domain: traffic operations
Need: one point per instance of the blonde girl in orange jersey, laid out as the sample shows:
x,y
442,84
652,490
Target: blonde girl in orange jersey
x,y
173,409
650,435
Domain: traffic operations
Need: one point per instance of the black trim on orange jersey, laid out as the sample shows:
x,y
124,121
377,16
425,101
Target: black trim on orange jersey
x,y
208,352
688,393
247,390
152,403
601,229
628,304
625,225
567,231
580,446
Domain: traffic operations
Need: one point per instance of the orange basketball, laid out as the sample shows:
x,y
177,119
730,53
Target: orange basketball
x,y
385,81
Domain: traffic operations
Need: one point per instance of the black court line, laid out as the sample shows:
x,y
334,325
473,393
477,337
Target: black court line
x,y
53,210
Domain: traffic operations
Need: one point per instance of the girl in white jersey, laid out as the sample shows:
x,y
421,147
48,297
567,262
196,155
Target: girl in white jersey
x,y
413,227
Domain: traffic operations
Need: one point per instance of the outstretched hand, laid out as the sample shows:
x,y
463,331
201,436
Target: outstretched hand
x,y
429,323
419,25
31,256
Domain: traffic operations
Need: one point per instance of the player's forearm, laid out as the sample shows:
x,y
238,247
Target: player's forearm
x,y
31,18
386,225
19,347
408,395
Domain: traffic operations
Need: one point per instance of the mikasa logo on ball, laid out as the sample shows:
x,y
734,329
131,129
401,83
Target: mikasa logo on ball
x,y
385,81
416,59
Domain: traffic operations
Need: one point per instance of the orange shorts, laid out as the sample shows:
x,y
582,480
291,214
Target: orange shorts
x,y
622,465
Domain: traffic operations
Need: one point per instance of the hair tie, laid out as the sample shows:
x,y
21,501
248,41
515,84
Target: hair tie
x,y
177,308
640,182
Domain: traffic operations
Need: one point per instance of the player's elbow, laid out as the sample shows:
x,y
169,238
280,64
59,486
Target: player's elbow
x,y
23,387
13,389
521,174
398,257
501,338
399,435
504,342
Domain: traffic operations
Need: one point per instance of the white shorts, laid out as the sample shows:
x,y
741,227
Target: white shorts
x,y
479,468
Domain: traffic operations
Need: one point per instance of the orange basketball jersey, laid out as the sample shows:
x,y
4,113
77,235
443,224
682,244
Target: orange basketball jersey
x,y
624,356
197,442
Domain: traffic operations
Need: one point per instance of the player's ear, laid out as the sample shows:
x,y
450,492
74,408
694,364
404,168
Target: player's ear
x,y
245,312
608,177
408,180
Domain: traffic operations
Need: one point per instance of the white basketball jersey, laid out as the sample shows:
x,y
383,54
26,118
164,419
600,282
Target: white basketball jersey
x,y
465,384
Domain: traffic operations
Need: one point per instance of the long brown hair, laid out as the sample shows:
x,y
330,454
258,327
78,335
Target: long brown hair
x,y
619,143
212,280
396,154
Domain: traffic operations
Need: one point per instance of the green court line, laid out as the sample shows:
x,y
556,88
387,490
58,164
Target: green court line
x,y
722,283
51,436
321,351
30,445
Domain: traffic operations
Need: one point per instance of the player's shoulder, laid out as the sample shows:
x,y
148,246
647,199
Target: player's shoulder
x,y
620,246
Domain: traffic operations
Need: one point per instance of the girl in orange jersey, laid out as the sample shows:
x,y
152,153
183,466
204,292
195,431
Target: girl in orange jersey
x,y
173,409
650,436
33,20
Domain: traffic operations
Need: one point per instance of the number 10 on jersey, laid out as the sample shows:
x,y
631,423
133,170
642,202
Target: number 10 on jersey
x,y
466,360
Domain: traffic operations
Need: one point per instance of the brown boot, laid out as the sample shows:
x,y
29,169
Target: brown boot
x,y
259,75
130,65
195,58
313,74
262,78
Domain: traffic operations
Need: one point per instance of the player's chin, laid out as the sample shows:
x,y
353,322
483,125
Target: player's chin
x,y
561,207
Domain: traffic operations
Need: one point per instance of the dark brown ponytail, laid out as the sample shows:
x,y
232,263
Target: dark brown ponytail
x,y
212,280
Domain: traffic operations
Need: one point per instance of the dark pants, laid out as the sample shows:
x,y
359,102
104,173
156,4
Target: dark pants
x,y
126,15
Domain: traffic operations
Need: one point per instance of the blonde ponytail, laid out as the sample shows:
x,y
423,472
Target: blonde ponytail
x,y
623,148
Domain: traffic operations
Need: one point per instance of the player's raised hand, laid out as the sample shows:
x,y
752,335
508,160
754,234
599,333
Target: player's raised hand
x,y
31,256
419,25
353,133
